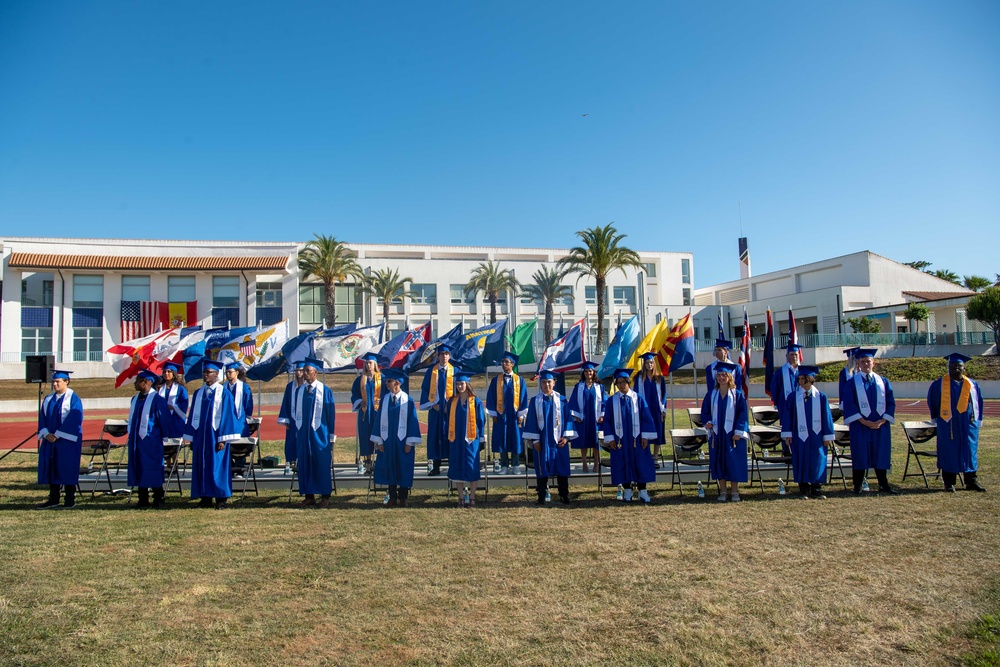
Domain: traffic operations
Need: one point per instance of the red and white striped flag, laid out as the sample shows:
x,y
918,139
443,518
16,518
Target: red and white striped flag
x,y
745,355
139,319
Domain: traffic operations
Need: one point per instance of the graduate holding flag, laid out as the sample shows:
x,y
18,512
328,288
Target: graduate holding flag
x,y
175,394
722,348
956,404
649,384
785,379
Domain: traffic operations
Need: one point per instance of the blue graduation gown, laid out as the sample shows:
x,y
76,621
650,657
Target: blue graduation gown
x,y
210,470
285,414
244,409
726,460
314,446
710,376
958,438
869,448
437,440
842,381
59,461
177,406
506,432
366,417
778,386
808,456
463,457
145,455
553,459
653,391
587,404
631,463
393,466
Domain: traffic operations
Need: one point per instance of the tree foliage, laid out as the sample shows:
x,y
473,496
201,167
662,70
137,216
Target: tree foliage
x,y
491,280
916,312
331,262
976,283
945,274
548,289
985,308
919,265
387,285
864,325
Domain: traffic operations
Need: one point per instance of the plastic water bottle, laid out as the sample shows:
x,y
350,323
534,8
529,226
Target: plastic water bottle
x,y
465,497
781,487
496,466
430,466
385,500
90,467
864,486
621,492
548,496
701,490
288,468
361,467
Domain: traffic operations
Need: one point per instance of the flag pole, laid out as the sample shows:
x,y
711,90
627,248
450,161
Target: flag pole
x,y
666,312
694,367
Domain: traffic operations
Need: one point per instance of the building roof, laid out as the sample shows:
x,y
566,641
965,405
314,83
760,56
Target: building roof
x,y
937,296
27,260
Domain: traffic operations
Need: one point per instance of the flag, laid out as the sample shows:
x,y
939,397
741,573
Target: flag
x,y
426,355
522,342
339,351
267,341
680,345
393,354
172,351
209,347
793,336
622,347
139,319
177,314
744,359
722,329
127,359
565,353
653,342
768,353
488,341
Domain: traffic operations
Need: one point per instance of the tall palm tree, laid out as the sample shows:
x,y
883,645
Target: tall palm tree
x,y
976,283
548,289
386,284
332,262
600,255
490,279
950,276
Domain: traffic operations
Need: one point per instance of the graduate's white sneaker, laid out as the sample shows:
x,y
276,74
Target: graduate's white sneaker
x,y
722,497
517,470
644,497
509,470
627,496
736,498
496,467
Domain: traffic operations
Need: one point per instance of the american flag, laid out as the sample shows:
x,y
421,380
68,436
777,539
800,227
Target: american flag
x,y
139,319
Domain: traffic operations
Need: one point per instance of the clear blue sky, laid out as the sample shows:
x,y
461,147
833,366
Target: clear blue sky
x,y
840,126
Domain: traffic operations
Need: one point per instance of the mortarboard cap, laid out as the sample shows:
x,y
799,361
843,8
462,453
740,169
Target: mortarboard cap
x,y
850,351
546,375
369,356
444,348
956,357
61,375
463,377
722,342
725,367
623,373
808,370
793,347
148,375
315,363
299,364
234,366
211,365
588,366
863,352
510,355
170,366
647,355
393,374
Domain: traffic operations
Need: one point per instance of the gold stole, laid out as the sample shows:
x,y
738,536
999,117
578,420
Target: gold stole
x,y
963,397
378,390
470,417
516,386
449,387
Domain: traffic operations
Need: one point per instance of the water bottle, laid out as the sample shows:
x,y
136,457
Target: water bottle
x,y
465,497
701,490
430,466
361,467
548,496
496,466
864,486
288,468
385,500
90,467
621,493
781,487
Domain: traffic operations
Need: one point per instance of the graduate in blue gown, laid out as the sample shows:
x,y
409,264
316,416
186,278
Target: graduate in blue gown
x,y
784,382
846,373
148,418
243,401
466,430
60,432
586,405
366,393
808,430
629,428
724,416
287,409
396,436
211,426
437,389
548,429
869,410
507,405
175,394
722,348
315,417
956,404
653,388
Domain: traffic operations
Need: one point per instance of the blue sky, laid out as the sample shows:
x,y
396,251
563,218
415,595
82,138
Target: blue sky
x,y
839,126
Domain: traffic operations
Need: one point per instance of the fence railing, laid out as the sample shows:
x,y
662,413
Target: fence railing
x,y
866,340
61,357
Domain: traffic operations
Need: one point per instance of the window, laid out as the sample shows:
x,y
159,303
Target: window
x,y
88,343
88,291
458,295
180,289
398,298
135,288
624,296
269,295
423,293
36,291
686,296
36,340
565,300
225,292
707,333
348,308
686,271
590,294
650,269
311,304
501,297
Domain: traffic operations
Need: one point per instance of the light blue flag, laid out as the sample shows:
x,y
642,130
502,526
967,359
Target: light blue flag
x,y
621,349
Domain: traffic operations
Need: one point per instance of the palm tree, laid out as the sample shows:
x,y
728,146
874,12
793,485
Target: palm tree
x,y
490,279
387,285
332,262
976,283
600,255
548,289
945,274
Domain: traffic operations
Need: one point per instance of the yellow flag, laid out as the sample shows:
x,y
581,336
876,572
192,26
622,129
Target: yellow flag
x,y
654,340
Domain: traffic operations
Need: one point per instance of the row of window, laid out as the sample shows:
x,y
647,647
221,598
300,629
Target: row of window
x,y
88,291
426,293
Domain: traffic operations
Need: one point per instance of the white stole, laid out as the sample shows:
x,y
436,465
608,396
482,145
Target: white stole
x,y
641,380
238,399
383,423
216,390
800,412
144,417
317,414
730,411
171,398
616,407
859,387
64,408
786,379
557,415
598,397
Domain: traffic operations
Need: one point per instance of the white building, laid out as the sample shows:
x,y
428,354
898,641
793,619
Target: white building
x,y
64,296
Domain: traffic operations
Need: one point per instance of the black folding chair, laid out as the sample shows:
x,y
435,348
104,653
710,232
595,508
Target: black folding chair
x,y
244,448
113,428
694,416
172,448
917,433
765,415
836,411
840,451
767,447
687,444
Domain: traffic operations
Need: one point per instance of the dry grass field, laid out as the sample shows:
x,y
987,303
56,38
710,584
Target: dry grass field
x,y
851,580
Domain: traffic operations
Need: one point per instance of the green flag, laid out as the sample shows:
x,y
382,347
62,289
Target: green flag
x,y
521,342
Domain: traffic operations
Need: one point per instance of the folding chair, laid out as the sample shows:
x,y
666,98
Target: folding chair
x,y
840,451
172,452
694,415
767,446
238,449
113,428
836,411
765,415
687,444
918,433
